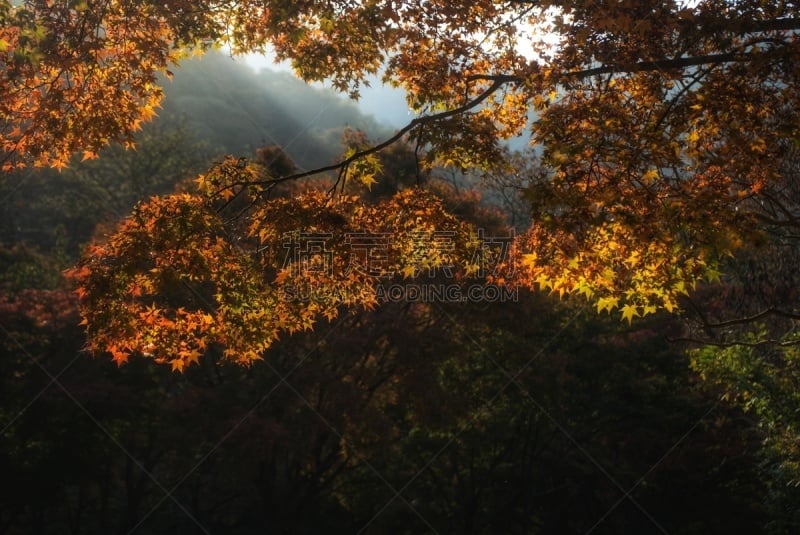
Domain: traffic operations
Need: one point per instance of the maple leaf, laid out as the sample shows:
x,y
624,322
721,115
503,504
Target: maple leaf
x,y
408,271
637,195
119,356
629,311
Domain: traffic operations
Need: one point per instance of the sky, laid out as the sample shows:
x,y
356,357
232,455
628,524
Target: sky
x,y
385,103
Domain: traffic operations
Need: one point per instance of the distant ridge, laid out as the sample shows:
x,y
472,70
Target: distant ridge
x,y
235,110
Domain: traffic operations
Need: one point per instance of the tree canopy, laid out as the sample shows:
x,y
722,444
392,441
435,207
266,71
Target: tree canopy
x,y
664,126
664,158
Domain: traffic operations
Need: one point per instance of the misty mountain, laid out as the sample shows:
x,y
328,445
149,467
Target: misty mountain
x,y
233,109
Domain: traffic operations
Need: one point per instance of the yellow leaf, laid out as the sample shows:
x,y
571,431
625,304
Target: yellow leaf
x,y
544,282
629,311
583,287
529,259
368,180
193,356
632,260
408,272
650,176
607,303
59,164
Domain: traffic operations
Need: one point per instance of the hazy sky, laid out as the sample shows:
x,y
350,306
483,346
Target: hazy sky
x,y
388,105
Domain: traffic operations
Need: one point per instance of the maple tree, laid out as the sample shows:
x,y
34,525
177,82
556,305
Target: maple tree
x,y
77,75
662,124
667,131
227,267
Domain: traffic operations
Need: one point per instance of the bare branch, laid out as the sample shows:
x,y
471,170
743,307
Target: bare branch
x,y
735,343
749,319
498,82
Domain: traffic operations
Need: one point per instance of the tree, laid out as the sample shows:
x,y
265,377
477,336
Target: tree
x,y
477,452
228,267
60,211
662,124
763,380
77,75
387,393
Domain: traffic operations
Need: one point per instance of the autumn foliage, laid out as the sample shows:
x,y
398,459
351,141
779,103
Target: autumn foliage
x,y
661,178
76,76
662,125
188,273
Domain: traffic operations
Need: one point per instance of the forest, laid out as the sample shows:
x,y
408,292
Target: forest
x,y
563,298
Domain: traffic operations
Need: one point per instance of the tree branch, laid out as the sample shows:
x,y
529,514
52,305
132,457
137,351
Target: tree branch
x,y
740,343
711,326
497,82
671,63
642,66
749,319
660,65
